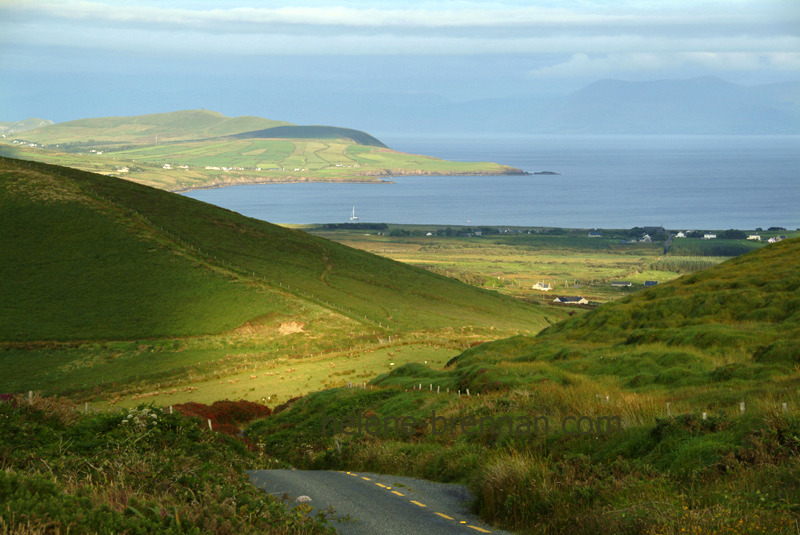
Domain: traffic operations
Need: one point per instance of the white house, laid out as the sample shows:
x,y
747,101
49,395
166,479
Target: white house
x,y
709,236
571,300
543,286
754,237
680,234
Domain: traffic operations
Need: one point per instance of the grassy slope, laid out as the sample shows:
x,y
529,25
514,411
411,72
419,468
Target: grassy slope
x,y
314,132
115,259
89,258
702,343
181,125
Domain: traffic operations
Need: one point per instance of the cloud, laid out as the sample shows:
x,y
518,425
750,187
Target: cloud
x,y
595,66
596,37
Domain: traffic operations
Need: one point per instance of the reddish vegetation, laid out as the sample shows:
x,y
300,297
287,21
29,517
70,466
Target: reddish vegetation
x,y
226,416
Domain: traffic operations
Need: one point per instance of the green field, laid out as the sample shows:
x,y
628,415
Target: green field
x,y
200,149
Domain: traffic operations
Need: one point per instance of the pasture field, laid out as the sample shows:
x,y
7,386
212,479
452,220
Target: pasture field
x,y
512,260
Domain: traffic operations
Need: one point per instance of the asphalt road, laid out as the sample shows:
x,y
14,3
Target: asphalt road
x,y
368,504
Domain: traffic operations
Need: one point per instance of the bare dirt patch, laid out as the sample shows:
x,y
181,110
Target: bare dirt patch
x,y
291,327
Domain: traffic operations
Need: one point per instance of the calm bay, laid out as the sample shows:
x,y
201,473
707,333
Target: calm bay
x,y
680,182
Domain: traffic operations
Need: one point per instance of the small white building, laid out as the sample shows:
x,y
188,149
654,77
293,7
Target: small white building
x,y
543,286
709,236
571,300
754,237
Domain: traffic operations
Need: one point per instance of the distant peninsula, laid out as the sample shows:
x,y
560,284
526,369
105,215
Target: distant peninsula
x,y
198,149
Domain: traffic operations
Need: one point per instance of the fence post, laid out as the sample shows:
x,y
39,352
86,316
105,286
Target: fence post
x,y
669,412
209,425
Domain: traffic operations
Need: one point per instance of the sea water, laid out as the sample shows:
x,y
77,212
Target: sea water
x,y
680,182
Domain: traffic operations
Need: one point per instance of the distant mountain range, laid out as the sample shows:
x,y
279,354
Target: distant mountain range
x,y
22,126
697,106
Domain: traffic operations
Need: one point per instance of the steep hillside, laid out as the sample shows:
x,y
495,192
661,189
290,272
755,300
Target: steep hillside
x,y
87,257
734,324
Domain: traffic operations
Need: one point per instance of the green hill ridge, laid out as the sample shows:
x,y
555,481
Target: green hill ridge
x,y
147,129
313,132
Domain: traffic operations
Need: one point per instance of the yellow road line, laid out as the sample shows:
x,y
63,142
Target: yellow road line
x,y
476,528
398,493
365,478
445,516
383,486
417,503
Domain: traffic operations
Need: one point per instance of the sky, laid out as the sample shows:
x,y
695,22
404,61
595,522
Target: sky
x,y
307,61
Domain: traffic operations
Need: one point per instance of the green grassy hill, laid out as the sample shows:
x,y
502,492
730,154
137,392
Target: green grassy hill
x,y
313,132
738,321
146,129
87,257
674,410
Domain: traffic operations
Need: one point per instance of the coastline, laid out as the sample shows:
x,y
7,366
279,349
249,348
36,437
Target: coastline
x,y
376,177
